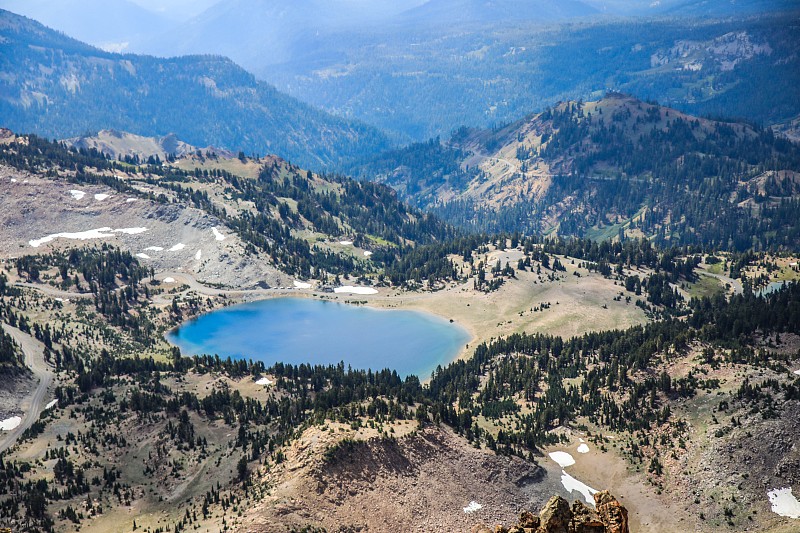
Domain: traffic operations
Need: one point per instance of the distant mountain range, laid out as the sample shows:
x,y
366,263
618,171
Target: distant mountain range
x,y
60,87
422,82
416,69
449,12
110,24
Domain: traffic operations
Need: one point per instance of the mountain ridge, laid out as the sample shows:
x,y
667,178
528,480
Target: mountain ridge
x,y
613,166
204,99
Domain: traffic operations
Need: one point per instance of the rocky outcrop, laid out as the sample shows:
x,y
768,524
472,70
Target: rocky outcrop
x,y
609,516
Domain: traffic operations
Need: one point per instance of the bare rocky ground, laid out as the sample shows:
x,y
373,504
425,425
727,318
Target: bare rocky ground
x,y
14,384
34,207
418,482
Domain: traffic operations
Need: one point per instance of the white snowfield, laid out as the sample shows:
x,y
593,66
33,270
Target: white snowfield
x,y
264,381
797,372
472,507
198,255
349,289
77,194
153,249
217,235
101,196
143,256
367,253
129,200
563,459
177,247
169,280
583,448
51,405
301,285
345,243
784,502
572,484
10,423
98,233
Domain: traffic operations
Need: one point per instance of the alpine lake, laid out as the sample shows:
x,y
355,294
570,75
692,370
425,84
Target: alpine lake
x,y
317,332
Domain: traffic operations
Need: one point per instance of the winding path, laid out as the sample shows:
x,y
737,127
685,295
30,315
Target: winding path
x,y
34,403
734,283
52,291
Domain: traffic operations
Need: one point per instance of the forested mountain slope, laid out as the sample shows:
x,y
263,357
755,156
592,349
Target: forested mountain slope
x,y
58,87
618,166
288,217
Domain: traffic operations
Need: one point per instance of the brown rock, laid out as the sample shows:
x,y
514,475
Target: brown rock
x,y
528,520
558,517
585,520
612,513
555,517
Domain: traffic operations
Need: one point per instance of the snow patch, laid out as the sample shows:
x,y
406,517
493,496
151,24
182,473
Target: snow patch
x,y
472,507
572,484
77,194
797,372
217,235
349,289
101,196
264,381
198,255
301,285
583,448
10,423
50,405
562,458
367,253
153,249
143,256
169,280
177,247
131,231
784,502
346,243
98,233
13,180
129,200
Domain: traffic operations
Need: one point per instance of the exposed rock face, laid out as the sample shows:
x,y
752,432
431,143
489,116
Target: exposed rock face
x,y
558,517
612,513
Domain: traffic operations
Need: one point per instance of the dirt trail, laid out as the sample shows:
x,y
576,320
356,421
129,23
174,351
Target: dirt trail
x,y
35,402
735,283
52,291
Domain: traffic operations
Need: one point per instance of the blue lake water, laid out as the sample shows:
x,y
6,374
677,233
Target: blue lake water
x,y
300,330
772,287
